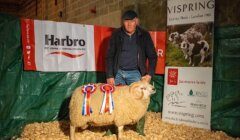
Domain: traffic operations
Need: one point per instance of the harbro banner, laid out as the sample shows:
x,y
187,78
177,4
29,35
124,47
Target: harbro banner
x,y
60,46
188,72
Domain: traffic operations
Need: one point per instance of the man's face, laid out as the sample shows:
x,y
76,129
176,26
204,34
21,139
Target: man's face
x,y
130,25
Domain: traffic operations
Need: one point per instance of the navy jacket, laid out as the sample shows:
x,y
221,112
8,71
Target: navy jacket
x,y
146,51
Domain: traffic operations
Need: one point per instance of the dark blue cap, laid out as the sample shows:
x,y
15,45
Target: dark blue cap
x,y
129,15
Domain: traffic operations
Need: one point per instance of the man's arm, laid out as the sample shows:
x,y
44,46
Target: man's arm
x,y
151,55
110,60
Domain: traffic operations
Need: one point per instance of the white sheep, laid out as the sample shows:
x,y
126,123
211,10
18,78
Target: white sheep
x,y
130,105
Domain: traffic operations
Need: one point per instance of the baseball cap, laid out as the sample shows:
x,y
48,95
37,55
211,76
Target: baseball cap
x,y
129,15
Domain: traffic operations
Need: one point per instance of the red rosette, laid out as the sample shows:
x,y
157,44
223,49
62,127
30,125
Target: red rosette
x,y
89,88
107,88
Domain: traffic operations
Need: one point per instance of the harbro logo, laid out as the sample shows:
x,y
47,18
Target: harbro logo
x,y
54,41
58,46
172,76
188,7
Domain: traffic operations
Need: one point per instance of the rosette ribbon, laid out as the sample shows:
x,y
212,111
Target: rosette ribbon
x,y
107,104
87,90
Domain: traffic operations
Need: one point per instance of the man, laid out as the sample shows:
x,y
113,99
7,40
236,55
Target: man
x,y
130,47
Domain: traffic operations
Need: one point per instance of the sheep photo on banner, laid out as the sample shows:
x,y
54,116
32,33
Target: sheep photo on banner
x,y
188,78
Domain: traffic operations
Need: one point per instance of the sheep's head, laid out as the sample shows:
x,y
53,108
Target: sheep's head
x,y
184,45
141,89
204,44
172,37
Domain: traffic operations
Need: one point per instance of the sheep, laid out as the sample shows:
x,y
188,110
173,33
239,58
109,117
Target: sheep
x,y
200,48
202,28
186,46
130,105
190,36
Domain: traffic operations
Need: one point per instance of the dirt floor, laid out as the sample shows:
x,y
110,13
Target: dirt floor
x,y
154,129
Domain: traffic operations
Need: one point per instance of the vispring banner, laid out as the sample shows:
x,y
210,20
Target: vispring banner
x,y
59,46
188,72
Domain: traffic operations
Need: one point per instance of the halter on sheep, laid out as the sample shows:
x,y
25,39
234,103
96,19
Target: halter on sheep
x,y
130,105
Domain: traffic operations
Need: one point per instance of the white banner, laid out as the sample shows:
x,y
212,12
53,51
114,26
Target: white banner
x,y
189,53
187,96
73,42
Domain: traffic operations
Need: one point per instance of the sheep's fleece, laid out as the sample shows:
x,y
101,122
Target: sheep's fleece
x,y
130,105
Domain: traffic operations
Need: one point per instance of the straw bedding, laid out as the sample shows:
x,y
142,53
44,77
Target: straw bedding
x,y
155,129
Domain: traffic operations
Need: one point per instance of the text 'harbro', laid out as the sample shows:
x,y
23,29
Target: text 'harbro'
x,y
51,40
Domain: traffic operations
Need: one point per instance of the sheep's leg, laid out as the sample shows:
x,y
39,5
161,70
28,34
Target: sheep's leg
x,y
190,60
203,55
120,131
202,59
72,132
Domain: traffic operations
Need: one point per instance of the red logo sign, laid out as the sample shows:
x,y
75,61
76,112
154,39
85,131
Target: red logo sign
x,y
172,76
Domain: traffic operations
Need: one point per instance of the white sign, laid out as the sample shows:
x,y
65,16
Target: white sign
x,y
187,96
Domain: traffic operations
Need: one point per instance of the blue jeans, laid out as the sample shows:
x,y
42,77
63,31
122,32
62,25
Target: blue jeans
x,y
124,77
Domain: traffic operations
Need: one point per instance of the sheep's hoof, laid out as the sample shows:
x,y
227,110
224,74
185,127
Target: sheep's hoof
x,y
119,137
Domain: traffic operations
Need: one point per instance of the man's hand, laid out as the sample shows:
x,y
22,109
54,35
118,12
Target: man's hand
x,y
147,78
111,81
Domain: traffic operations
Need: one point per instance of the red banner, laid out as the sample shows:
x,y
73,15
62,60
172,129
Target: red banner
x,y
101,41
159,40
28,44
